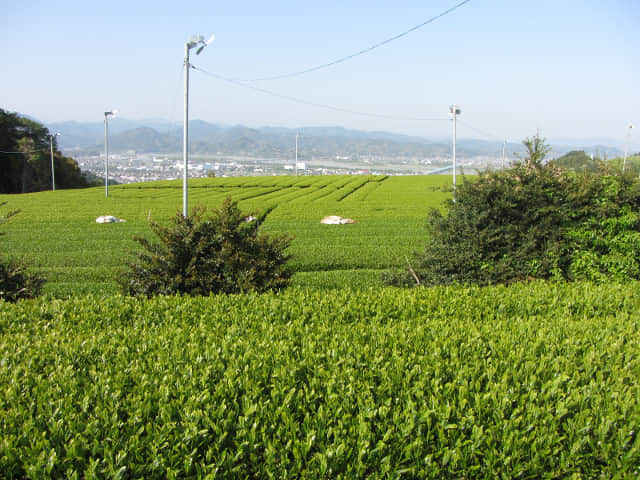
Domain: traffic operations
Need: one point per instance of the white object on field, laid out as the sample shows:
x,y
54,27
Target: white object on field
x,y
108,219
336,220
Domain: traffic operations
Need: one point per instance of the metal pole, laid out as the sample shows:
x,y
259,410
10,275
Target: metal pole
x,y
185,143
296,154
106,154
53,175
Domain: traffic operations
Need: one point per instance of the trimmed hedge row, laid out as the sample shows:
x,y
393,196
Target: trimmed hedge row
x,y
529,381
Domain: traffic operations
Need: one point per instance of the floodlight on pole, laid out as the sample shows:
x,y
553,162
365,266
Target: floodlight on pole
x,y
53,174
193,42
455,111
111,113
626,146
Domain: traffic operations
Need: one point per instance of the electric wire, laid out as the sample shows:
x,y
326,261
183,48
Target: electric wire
x,y
481,132
242,84
360,52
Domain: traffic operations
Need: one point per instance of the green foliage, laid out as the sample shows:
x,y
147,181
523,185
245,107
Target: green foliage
x,y
528,381
604,237
25,159
15,281
204,254
536,150
533,221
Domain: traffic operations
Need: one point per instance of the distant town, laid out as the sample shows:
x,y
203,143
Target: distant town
x,y
131,167
140,152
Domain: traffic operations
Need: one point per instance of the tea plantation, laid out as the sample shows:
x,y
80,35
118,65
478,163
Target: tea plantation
x,y
532,380
57,230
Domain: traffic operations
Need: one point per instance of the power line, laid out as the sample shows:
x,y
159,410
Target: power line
x,y
360,52
481,132
240,83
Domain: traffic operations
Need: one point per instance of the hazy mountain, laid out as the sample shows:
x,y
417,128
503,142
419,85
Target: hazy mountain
x,y
159,136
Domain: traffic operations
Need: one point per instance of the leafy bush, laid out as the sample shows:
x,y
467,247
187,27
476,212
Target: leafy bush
x,y
16,281
204,254
533,220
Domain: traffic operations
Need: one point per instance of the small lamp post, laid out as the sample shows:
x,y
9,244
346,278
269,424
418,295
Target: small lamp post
x,y
455,111
108,114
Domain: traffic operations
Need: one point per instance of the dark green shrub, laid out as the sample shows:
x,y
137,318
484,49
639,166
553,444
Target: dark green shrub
x,y
533,220
16,282
206,253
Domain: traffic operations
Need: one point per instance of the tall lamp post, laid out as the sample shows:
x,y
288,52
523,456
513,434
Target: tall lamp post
x,y
455,111
108,114
626,146
53,174
193,42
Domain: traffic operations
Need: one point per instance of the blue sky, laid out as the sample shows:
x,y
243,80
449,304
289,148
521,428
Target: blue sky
x,y
569,68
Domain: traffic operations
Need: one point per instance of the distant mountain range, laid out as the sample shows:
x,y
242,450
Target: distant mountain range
x,y
158,136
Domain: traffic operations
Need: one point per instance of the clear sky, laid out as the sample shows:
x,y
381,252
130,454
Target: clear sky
x,y
570,68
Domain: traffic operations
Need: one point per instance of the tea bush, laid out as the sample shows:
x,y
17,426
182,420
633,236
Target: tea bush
x,y
531,380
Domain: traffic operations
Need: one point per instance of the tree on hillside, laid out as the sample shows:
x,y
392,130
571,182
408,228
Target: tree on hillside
x,y
25,159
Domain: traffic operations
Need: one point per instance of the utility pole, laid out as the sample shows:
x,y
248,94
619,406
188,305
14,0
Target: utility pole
x,y
455,111
194,41
53,174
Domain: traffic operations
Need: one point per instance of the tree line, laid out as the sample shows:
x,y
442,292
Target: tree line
x,y
25,158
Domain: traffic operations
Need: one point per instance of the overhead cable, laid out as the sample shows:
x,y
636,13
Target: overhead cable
x,y
240,83
481,132
360,52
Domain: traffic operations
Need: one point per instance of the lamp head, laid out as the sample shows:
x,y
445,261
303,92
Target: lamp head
x,y
195,40
203,44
